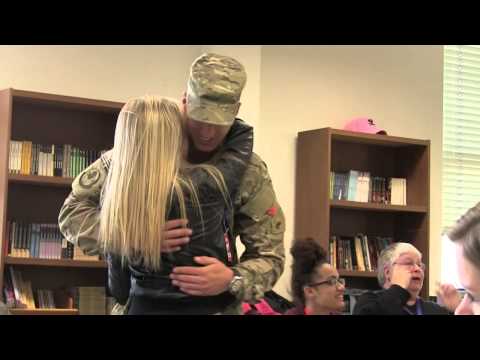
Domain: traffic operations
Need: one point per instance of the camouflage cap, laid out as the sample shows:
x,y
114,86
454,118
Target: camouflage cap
x,y
214,89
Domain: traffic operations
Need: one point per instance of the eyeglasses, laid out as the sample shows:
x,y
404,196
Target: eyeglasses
x,y
471,298
411,265
332,282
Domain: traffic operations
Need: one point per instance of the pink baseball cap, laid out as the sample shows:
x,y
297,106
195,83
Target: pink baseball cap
x,y
364,125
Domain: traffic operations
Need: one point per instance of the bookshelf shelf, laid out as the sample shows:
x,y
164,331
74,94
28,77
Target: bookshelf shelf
x,y
9,260
364,274
41,180
17,311
354,205
372,139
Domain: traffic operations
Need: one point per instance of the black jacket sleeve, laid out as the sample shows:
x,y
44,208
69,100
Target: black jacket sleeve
x,y
118,279
431,308
385,302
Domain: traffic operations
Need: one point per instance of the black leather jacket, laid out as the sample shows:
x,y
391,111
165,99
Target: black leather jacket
x,y
207,237
393,301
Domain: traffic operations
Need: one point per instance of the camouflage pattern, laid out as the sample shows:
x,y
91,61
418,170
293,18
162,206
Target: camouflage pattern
x,y
259,222
214,88
79,216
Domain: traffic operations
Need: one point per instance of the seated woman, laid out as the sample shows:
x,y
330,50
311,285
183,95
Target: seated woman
x,y
316,286
400,274
149,183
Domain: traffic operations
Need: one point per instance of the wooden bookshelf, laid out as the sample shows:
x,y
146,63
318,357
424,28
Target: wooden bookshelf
x,y
16,311
9,260
317,216
48,119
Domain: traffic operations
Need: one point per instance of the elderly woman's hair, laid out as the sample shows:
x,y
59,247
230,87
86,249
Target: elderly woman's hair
x,y
389,255
307,255
467,232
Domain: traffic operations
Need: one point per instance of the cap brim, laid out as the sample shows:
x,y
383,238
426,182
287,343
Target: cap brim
x,y
208,115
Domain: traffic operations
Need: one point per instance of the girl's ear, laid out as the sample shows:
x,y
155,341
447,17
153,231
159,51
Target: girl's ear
x,y
307,291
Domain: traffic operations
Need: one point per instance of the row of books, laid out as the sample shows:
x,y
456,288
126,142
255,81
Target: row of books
x,y
362,187
44,241
359,252
27,158
18,293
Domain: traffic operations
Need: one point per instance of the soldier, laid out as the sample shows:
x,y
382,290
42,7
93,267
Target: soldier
x,y
210,106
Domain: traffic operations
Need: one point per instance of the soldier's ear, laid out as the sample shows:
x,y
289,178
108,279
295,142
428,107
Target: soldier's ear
x,y
238,108
183,104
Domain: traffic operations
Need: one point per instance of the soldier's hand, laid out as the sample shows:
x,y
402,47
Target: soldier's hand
x,y
401,276
175,235
211,279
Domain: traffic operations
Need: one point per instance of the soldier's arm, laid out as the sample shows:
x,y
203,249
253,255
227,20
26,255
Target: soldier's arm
x,y
260,223
79,215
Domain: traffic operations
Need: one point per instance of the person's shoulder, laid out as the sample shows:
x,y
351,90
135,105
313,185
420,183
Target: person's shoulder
x,y
369,294
432,308
256,175
90,181
257,162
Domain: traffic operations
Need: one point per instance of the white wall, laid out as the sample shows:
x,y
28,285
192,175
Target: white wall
x,y
309,87
102,72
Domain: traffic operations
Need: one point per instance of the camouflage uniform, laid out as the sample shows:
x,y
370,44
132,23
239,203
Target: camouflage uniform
x,y
258,221
213,95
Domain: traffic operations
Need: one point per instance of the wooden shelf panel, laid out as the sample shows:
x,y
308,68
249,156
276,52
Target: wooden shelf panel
x,y
374,139
16,311
55,262
354,205
41,180
349,273
65,101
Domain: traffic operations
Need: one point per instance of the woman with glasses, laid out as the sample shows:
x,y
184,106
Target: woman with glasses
x,y
400,274
466,236
316,287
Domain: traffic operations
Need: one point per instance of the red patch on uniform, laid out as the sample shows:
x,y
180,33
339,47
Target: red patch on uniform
x,y
272,211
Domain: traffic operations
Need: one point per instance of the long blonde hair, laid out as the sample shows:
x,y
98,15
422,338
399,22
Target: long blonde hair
x,y
143,179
